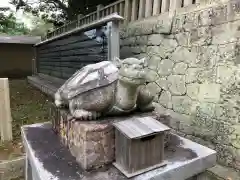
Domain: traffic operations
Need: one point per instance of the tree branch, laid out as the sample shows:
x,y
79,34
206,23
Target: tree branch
x,y
60,5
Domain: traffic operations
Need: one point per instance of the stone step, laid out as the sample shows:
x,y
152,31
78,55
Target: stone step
x,y
46,86
51,79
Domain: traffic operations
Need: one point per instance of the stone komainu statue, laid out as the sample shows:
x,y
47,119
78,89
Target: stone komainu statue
x,y
106,88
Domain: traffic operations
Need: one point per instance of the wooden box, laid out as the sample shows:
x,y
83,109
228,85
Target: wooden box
x,y
139,145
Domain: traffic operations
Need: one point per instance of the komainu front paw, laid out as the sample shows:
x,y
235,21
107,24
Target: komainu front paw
x,y
84,115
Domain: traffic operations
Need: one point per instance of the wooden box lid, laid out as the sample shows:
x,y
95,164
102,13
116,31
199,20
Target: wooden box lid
x,y
139,127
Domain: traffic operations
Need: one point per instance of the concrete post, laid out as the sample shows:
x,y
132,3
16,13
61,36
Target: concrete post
x,y
5,111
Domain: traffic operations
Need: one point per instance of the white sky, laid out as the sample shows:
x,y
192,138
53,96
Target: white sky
x,y
19,14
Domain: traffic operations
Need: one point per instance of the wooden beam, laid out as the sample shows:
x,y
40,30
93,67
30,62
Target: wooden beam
x,y
134,10
148,10
156,7
5,111
141,11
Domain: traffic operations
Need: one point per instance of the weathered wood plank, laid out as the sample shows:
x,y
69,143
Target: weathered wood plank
x,y
5,111
65,41
73,65
84,58
76,45
78,37
75,51
136,128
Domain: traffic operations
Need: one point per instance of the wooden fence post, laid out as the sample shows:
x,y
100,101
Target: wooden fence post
x,y
187,3
175,4
198,1
165,6
116,8
149,9
127,14
35,61
141,11
113,40
156,7
99,7
134,10
121,9
5,111
33,66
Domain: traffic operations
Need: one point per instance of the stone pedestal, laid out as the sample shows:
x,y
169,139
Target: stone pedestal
x,y
49,159
92,143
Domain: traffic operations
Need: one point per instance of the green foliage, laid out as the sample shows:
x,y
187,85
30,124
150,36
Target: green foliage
x,y
58,11
9,24
39,27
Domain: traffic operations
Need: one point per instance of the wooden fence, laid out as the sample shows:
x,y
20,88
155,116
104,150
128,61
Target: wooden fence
x,y
131,10
94,42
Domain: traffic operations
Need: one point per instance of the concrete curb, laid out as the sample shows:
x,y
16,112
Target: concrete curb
x,y
12,169
224,173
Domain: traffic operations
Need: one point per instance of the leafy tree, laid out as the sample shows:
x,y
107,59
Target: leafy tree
x,y
9,24
58,11
38,27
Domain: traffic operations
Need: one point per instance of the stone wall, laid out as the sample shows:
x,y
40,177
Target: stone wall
x,y
194,69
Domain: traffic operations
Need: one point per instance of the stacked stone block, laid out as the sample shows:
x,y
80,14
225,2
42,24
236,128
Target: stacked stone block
x,y
194,70
90,142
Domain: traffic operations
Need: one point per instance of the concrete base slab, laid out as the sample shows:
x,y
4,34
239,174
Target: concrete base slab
x,y
120,168
49,159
